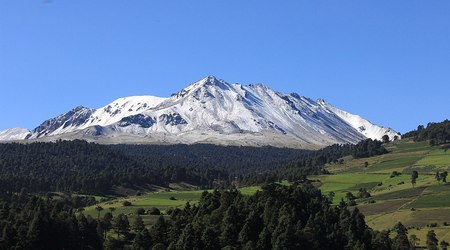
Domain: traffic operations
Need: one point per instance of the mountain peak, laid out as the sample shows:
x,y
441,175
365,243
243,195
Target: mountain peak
x,y
13,134
214,111
321,101
210,79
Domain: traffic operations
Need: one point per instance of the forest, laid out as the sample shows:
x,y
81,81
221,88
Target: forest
x,y
436,132
278,217
41,183
79,166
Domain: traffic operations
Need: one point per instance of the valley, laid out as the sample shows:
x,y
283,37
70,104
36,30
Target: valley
x,y
372,193
421,208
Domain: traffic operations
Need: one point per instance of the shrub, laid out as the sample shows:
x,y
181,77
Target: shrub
x,y
140,211
126,203
154,211
394,174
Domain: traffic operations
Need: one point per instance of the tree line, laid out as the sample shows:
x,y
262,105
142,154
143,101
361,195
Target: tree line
x,y
277,217
436,132
79,166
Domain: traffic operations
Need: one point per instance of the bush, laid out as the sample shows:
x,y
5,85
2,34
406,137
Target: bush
x,y
172,198
352,203
140,211
394,174
126,203
154,211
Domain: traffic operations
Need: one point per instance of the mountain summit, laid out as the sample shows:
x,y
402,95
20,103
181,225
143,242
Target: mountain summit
x,y
211,111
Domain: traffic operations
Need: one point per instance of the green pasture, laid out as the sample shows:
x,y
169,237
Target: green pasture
x,y
161,200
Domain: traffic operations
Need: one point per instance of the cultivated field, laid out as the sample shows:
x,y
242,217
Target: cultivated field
x,y
424,207
421,208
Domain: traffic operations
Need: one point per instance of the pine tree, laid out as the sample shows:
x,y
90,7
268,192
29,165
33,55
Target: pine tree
x,y
138,223
381,241
432,241
437,176
401,241
444,245
106,224
210,239
98,209
158,231
142,240
230,223
121,224
264,240
414,176
189,239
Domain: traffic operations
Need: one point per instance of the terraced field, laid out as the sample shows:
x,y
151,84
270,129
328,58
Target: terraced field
x,y
396,200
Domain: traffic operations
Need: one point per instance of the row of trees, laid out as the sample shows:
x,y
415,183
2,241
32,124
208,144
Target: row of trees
x,y
278,217
78,166
368,148
401,240
437,133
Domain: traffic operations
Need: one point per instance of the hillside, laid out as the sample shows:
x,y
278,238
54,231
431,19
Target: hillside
x,y
396,200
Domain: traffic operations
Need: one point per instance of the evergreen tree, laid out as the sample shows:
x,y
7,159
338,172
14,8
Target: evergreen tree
x,y
138,223
209,239
443,176
189,239
142,240
432,241
98,209
437,176
444,245
414,176
121,225
401,241
381,241
106,223
230,225
158,231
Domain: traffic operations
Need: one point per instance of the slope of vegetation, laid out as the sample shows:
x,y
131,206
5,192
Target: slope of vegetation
x,y
393,198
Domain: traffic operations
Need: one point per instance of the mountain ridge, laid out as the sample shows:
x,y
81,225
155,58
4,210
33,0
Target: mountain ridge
x,y
213,111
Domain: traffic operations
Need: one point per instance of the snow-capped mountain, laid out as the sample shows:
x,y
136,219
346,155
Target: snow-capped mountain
x,y
14,134
213,111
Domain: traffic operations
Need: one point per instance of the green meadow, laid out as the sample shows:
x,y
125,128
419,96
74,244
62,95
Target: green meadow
x,y
424,207
162,200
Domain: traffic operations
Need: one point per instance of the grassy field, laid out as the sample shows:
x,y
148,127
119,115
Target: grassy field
x,y
396,200
162,200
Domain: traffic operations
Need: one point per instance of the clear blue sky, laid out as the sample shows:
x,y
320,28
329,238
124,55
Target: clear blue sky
x,y
388,61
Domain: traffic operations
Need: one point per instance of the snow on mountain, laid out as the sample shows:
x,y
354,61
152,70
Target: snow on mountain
x,y
82,117
214,111
14,134
363,126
